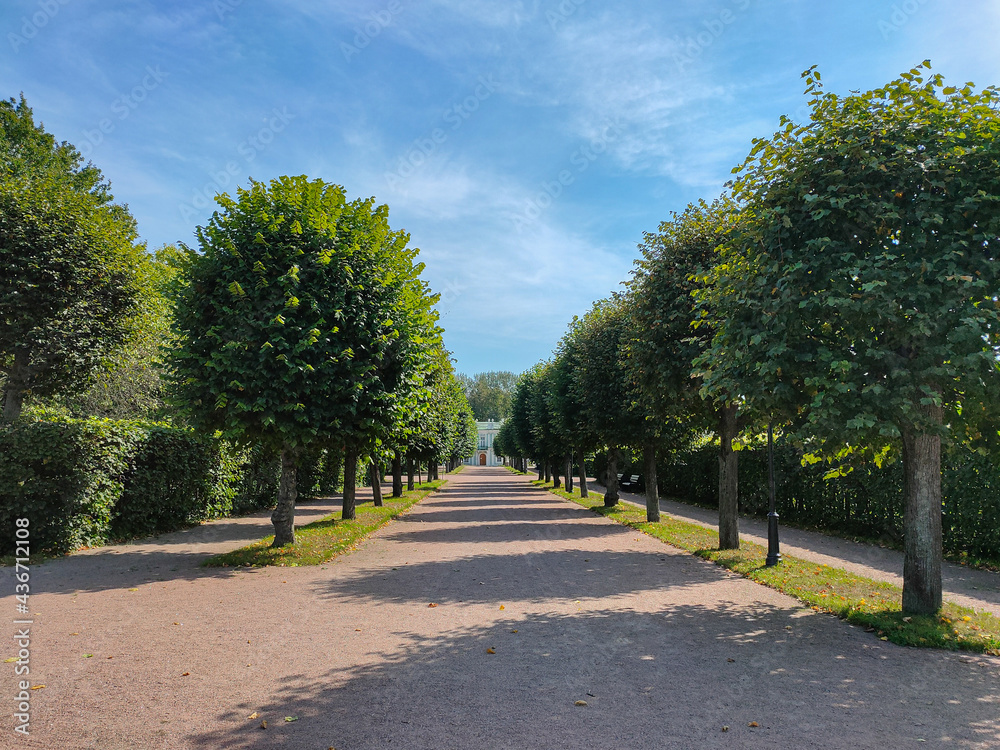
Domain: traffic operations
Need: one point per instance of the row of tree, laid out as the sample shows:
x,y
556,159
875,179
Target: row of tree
x,y
299,322
845,288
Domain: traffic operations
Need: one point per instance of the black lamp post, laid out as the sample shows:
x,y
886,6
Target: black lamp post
x,y
773,548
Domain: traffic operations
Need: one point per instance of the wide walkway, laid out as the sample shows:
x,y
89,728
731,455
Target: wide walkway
x,y
485,618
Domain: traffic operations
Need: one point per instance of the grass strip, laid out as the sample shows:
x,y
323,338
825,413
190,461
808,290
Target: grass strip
x,y
874,605
319,541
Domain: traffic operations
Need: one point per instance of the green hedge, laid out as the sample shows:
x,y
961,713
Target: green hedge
x,y
867,501
85,482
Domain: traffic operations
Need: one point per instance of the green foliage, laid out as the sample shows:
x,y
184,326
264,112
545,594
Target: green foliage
x,y
82,483
863,499
490,394
72,272
303,319
863,288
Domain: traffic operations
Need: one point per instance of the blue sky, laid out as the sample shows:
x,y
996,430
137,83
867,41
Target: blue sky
x,y
526,146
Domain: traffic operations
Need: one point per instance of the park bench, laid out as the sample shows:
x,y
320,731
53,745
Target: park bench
x,y
633,484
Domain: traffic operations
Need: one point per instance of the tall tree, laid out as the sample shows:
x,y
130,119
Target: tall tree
x,y
72,269
864,293
296,326
668,333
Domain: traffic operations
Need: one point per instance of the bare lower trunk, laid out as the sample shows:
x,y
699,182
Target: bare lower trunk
x,y
350,482
397,475
568,472
652,491
556,482
409,474
540,465
611,485
922,519
729,519
376,476
17,381
548,470
283,516
583,473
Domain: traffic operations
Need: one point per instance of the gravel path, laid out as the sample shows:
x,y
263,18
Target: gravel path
x,y
969,587
666,649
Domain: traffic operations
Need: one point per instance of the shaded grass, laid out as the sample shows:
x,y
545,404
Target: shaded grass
x,y
457,470
512,470
317,542
874,605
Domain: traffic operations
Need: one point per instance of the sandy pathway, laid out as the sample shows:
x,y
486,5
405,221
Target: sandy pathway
x,y
666,649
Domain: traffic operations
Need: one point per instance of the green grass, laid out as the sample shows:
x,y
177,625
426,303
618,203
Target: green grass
x,y
457,470
512,470
874,605
319,541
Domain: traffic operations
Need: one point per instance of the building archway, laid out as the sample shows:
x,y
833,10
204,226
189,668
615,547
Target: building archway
x,y
482,459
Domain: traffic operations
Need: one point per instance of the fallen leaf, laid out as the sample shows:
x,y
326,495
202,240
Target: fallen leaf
x,y
432,604
730,660
8,661
176,623
133,589
725,729
263,724
490,651
111,657
185,674
907,619
74,634
513,631
753,724
502,607
580,703
87,656
37,687
254,715
357,630
291,718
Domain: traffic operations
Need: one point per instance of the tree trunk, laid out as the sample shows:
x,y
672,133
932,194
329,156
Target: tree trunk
x,y
611,486
376,476
729,518
556,482
283,516
350,482
568,471
540,465
397,475
17,381
652,491
548,470
409,473
583,472
922,519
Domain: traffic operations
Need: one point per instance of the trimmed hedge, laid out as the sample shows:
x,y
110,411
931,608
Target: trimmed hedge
x,y
85,482
867,501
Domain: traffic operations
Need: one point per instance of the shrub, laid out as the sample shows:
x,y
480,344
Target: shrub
x,y
84,482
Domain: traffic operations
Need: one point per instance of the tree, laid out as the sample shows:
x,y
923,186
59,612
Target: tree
x,y
489,394
668,333
298,326
863,294
72,270
612,406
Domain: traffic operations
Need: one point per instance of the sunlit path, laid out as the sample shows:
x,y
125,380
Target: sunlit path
x,y
537,605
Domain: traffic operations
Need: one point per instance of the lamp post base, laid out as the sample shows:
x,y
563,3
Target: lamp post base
x,y
773,546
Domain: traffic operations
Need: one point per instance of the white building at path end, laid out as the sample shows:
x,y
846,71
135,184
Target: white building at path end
x,y
484,455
